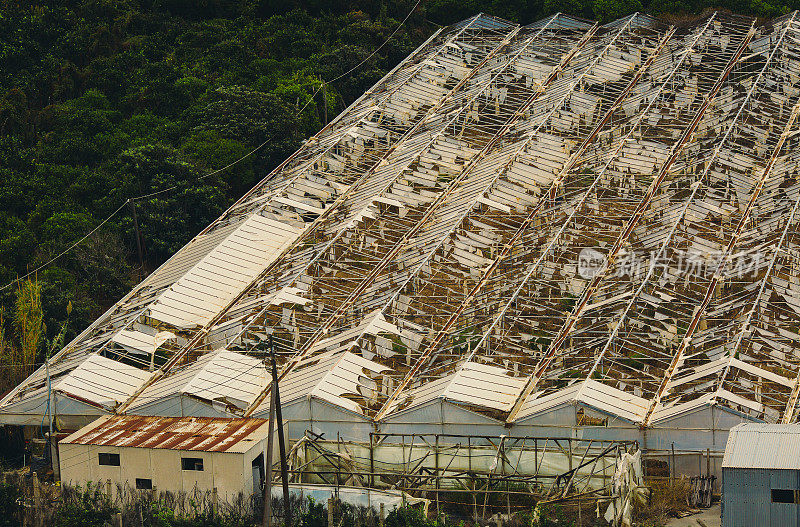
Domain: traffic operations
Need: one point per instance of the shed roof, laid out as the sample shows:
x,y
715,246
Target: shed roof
x,y
771,446
174,433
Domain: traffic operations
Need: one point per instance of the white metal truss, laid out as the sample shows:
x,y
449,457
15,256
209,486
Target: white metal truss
x,y
632,127
431,244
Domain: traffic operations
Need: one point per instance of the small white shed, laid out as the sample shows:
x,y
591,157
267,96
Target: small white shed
x,y
167,454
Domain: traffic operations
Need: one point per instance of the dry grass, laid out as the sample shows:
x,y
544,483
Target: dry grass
x,y
667,499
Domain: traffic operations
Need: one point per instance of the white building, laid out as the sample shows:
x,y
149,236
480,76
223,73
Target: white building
x,y
167,454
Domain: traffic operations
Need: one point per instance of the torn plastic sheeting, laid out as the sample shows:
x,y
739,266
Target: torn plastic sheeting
x,y
372,324
549,460
485,385
289,295
357,496
627,489
345,377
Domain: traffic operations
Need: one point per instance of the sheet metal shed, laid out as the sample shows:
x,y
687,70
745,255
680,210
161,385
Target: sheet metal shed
x,y
761,476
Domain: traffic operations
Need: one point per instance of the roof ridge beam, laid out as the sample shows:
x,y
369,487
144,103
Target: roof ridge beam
x,y
321,331
720,267
441,334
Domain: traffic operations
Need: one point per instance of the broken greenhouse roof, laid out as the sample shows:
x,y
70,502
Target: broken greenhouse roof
x,y
514,219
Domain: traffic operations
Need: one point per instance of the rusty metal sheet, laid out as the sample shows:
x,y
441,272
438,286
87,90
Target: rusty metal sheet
x,y
204,434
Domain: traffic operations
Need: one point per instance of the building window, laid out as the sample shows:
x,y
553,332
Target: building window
x,y
144,484
192,463
783,496
108,459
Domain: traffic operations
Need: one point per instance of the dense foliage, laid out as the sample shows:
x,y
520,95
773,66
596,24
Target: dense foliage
x,y
104,100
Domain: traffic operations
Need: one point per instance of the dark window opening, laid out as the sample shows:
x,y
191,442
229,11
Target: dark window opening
x,y
108,459
258,471
588,420
144,484
783,496
192,463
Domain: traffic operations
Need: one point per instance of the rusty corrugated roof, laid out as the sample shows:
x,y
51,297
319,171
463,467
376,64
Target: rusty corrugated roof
x,y
177,433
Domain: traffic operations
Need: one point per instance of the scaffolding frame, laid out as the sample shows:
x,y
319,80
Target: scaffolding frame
x,y
437,467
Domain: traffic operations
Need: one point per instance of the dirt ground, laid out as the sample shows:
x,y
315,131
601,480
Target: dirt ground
x,y
709,518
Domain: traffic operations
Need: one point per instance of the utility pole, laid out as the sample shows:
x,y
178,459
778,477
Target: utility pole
x,y
267,519
276,404
48,454
138,237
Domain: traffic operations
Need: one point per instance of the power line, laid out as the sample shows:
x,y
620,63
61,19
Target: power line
x,y
299,112
219,170
65,251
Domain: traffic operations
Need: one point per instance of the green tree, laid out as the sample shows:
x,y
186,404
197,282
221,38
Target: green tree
x,y
608,10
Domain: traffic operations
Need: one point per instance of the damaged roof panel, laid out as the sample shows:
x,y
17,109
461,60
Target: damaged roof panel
x,y
526,221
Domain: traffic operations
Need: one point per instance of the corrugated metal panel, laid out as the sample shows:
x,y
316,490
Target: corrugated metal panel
x,y
665,413
474,384
746,497
141,342
420,396
169,386
486,386
176,433
102,381
590,392
216,279
613,401
763,446
330,377
301,382
536,403
224,376
187,257
348,377
231,377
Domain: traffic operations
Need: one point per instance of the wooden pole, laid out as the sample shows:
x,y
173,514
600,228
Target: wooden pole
x,y
267,520
371,460
281,438
672,467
